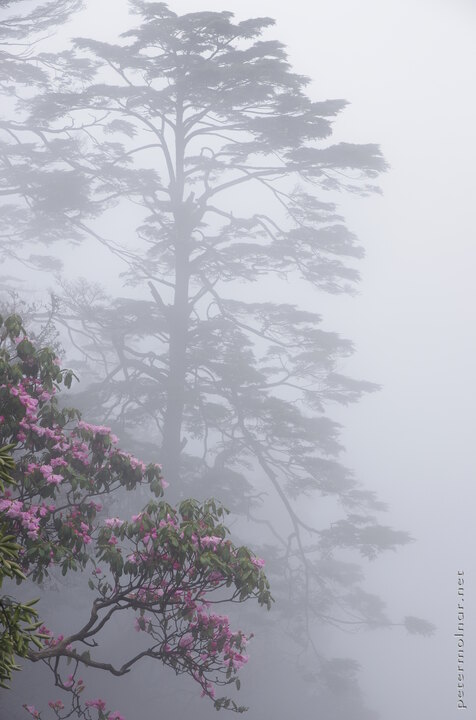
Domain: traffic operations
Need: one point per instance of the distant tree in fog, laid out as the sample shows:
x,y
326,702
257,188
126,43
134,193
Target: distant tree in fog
x,y
200,124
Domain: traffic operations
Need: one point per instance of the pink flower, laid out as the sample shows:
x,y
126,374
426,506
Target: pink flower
x,y
113,522
258,562
239,660
32,710
98,704
95,429
58,462
215,576
54,479
57,705
185,641
210,541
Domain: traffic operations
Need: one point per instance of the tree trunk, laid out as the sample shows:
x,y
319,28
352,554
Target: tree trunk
x,y
178,319
172,443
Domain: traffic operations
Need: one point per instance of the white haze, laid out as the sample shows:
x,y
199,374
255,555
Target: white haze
x,y
408,70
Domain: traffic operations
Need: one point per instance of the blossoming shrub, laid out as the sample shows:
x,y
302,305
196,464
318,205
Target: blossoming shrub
x,y
165,566
18,621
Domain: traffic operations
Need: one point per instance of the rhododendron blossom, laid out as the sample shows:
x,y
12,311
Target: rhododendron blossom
x,y
99,704
164,566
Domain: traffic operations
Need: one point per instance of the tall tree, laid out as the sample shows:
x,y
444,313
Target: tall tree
x,y
200,124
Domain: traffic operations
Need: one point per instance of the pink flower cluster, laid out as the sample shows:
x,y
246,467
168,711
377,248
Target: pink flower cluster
x,y
79,528
28,518
98,430
51,641
25,392
113,522
32,710
217,629
56,705
134,462
53,469
100,705
258,562
211,541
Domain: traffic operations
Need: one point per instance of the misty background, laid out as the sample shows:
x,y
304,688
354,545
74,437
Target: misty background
x,y
408,71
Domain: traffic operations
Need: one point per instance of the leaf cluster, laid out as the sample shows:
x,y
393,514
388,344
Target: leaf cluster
x,y
18,621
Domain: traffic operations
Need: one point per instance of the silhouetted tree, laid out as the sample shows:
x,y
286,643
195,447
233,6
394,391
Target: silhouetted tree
x,y
200,124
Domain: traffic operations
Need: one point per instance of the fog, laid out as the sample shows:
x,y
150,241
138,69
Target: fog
x,y
407,71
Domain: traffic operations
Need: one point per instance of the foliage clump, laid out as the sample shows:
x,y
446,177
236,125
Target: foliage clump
x,y
165,566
